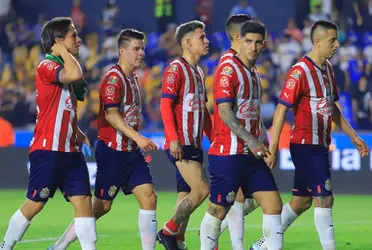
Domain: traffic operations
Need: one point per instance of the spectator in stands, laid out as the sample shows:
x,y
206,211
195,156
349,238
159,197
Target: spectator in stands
x,y
358,66
306,40
243,8
168,42
78,17
109,15
5,10
318,14
24,33
362,105
288,50
37,29
362,15
7,136
293,31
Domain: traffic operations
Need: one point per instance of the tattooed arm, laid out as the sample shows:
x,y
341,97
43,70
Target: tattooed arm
x,y
227,115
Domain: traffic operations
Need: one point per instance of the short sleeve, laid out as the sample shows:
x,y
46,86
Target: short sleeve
x,y
111,91
293,87
48,71
171,82
224,84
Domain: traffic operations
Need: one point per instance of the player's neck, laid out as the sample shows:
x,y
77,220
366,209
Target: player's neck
x,y
192,59
235,46
126,67
317,59
249,64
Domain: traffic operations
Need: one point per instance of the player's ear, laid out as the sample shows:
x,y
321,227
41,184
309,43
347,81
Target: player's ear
x,y
236,36
264,44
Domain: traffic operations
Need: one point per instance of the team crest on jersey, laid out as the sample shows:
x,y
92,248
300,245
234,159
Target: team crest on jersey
x,y
44,193
227,70
290,84
112,191
230,197
173,68
51,65
170,79
328,185
110,90
112,80
224,81
296,74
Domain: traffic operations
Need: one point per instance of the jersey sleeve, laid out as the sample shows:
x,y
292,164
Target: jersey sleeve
x,y
48,71
171,82
224,84
293,87
111,91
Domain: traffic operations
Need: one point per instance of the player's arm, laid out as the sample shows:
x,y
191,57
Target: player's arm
x,y
114,118
71,70
225,111
170,89
208,126
339,119
263,134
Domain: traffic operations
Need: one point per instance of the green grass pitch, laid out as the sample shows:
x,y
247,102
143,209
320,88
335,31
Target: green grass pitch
x,y
118,229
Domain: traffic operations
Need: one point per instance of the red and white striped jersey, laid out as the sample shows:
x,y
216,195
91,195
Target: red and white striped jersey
x,y
56,111
123,92
227,55
236,84
311,92
185,84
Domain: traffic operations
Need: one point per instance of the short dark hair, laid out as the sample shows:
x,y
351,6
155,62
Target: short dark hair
x,y
55,28
127,34
322,24
253,27
235,22
185,28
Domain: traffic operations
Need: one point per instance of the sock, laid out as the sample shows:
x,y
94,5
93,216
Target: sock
x,y
224,226
288,217
236,225
18,225
85,228
147,226
67,237
250,205
209,232
273,231
324,226
181,241
170,228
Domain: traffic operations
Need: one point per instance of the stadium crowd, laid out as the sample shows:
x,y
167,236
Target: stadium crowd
x,y
21,53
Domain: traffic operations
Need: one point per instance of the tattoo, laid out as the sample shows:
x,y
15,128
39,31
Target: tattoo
x,y
203,176
227,115
212,211
183,211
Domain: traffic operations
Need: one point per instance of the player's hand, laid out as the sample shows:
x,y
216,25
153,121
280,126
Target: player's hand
x,y
58,48
145,143
176,150
81,138
272,158
258,148
360,145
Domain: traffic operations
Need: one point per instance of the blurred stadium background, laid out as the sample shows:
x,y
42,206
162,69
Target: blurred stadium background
x,y
98,22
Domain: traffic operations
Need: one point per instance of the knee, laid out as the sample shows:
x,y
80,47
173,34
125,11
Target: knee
x,y
148,200
274,207
324,202
218,211
301,204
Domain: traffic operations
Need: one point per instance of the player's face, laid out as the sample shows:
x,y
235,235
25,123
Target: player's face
x,y
199,43
329,44
72,41
134,52
252,45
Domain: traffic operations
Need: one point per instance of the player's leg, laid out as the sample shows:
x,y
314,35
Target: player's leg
x,y
193,173
224,183
76,186
140,183
235,222
261,183
42,184
182,191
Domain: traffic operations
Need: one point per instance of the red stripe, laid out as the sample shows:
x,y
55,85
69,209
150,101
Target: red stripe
x,y
102,192
63,131
34,194
219,198
319,189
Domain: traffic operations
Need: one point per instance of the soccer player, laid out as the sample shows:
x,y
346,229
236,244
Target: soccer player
x,y
185,117
235,157
242,206
55,157
120,162
311,90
